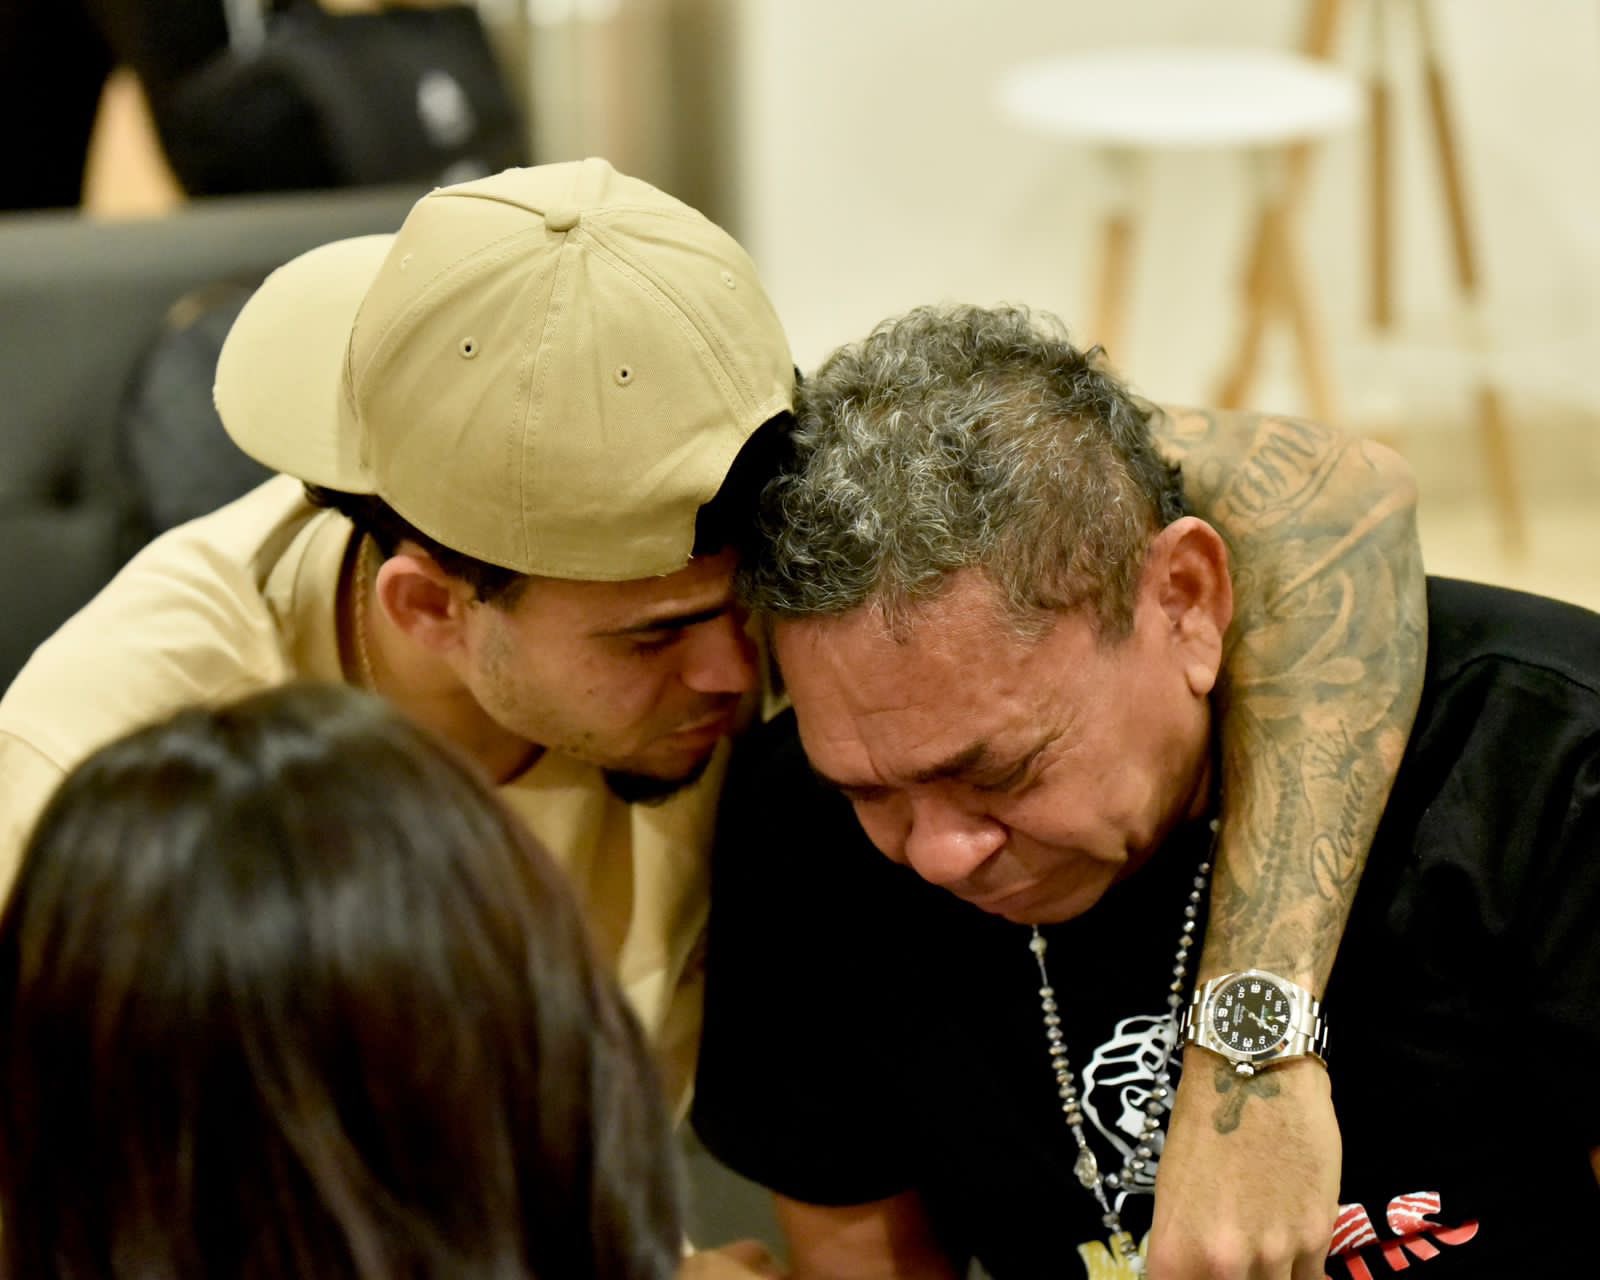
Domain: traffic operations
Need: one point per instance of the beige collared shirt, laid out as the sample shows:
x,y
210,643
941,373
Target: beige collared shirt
x,y
245,600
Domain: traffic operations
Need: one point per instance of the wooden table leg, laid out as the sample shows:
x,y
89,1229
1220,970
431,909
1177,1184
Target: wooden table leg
x,y
1116,259
1233,391
1285,282
1493,432
1379,133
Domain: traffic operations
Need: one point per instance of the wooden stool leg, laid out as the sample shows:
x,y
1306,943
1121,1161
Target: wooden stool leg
x,y
1286,282
1111,294
1380,189
1116,258
1379,133
1444,141
1276,280
1310,343
1493,433
1234,389
1495,439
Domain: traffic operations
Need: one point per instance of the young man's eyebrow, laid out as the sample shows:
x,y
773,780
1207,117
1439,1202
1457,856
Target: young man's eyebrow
x,y
669,621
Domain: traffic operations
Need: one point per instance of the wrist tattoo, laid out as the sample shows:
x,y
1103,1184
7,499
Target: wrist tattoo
x,y
1235,1090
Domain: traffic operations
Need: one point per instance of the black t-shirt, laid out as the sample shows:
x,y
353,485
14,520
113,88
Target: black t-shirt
x,y
868,1034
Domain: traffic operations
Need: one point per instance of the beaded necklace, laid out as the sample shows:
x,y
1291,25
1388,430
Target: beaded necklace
x,y
1086,1167
363,585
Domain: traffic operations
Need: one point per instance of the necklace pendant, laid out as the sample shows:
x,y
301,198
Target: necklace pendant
x,y
1108,1189
1124,1249
1087,1169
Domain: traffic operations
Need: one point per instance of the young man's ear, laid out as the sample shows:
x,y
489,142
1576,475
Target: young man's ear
x,y
1195,592
421,600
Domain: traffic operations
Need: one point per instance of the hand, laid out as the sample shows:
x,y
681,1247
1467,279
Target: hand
x,y
1248,1185
741,1260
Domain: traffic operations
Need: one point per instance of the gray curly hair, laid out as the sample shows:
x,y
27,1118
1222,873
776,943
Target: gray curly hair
x,y
962,437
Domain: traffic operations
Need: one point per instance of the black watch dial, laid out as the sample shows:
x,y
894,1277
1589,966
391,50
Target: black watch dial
x,y
1251,1015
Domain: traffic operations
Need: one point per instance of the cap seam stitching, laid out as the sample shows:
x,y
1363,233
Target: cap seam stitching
x,y
464,269
537,373
681,213
473,265
687,318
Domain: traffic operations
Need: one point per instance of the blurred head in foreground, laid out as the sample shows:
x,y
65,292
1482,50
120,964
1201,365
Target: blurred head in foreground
x,y
284,991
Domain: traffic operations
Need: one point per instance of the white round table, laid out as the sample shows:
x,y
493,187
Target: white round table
x,y
1152,98
1261,103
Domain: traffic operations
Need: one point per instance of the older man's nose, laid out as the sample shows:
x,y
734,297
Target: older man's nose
x,y
946,844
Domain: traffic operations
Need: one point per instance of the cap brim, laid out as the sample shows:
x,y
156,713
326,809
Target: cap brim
x,y
279,387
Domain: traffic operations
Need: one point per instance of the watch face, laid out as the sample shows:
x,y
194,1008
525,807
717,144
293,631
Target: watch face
x,y
1251,1015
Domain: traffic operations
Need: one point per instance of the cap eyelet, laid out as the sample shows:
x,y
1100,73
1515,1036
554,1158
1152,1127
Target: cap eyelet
x,y
728,279
469,348
405,261
623,375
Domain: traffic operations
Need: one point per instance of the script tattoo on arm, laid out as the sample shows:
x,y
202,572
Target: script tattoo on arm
x,y
1321,677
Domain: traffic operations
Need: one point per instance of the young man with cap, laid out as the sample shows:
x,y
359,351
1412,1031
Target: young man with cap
x,y
527,400
526,396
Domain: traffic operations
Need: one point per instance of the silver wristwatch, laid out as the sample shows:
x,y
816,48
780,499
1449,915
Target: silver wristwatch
x,y
1255,1019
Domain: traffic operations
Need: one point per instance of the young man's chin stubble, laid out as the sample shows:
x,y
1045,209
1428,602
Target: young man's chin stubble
x,y
644,788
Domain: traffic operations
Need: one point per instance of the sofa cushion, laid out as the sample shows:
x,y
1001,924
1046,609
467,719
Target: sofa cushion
x,y
80,303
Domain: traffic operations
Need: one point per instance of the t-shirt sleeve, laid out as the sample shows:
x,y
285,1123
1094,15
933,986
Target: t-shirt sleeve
x,y
796,1086
27,781
1496,903
1561,925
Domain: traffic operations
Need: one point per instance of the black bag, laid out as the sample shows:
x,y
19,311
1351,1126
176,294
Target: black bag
x,y
322,100
173,447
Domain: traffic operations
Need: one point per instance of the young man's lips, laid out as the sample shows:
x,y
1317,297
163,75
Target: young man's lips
x,y
707,726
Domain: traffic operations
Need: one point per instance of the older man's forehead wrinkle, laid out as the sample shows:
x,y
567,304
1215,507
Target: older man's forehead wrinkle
x,y
961,702
918,728
954,765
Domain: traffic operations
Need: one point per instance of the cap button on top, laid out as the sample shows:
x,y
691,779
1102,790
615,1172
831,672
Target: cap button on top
x,y
561,218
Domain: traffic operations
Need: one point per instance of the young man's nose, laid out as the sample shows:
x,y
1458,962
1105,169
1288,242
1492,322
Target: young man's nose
x,y
720,657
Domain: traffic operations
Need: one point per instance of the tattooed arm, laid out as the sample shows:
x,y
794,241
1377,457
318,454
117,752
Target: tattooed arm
x,y
1322,676
1319,688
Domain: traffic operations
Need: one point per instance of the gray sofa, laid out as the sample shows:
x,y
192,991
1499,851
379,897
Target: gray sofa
x,y
80,304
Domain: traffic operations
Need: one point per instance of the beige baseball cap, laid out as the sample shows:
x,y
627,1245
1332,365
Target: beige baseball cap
x,y
550,369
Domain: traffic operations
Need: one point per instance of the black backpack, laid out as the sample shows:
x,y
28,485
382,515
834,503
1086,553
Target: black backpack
x,y
307,99
179,461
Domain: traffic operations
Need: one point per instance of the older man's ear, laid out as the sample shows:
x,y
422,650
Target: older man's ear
x,y
1187,573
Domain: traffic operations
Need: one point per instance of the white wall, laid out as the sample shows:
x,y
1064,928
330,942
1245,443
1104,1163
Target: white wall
x,y
876,174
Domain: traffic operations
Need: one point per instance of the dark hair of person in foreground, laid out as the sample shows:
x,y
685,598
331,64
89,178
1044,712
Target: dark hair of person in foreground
x,y
286,992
